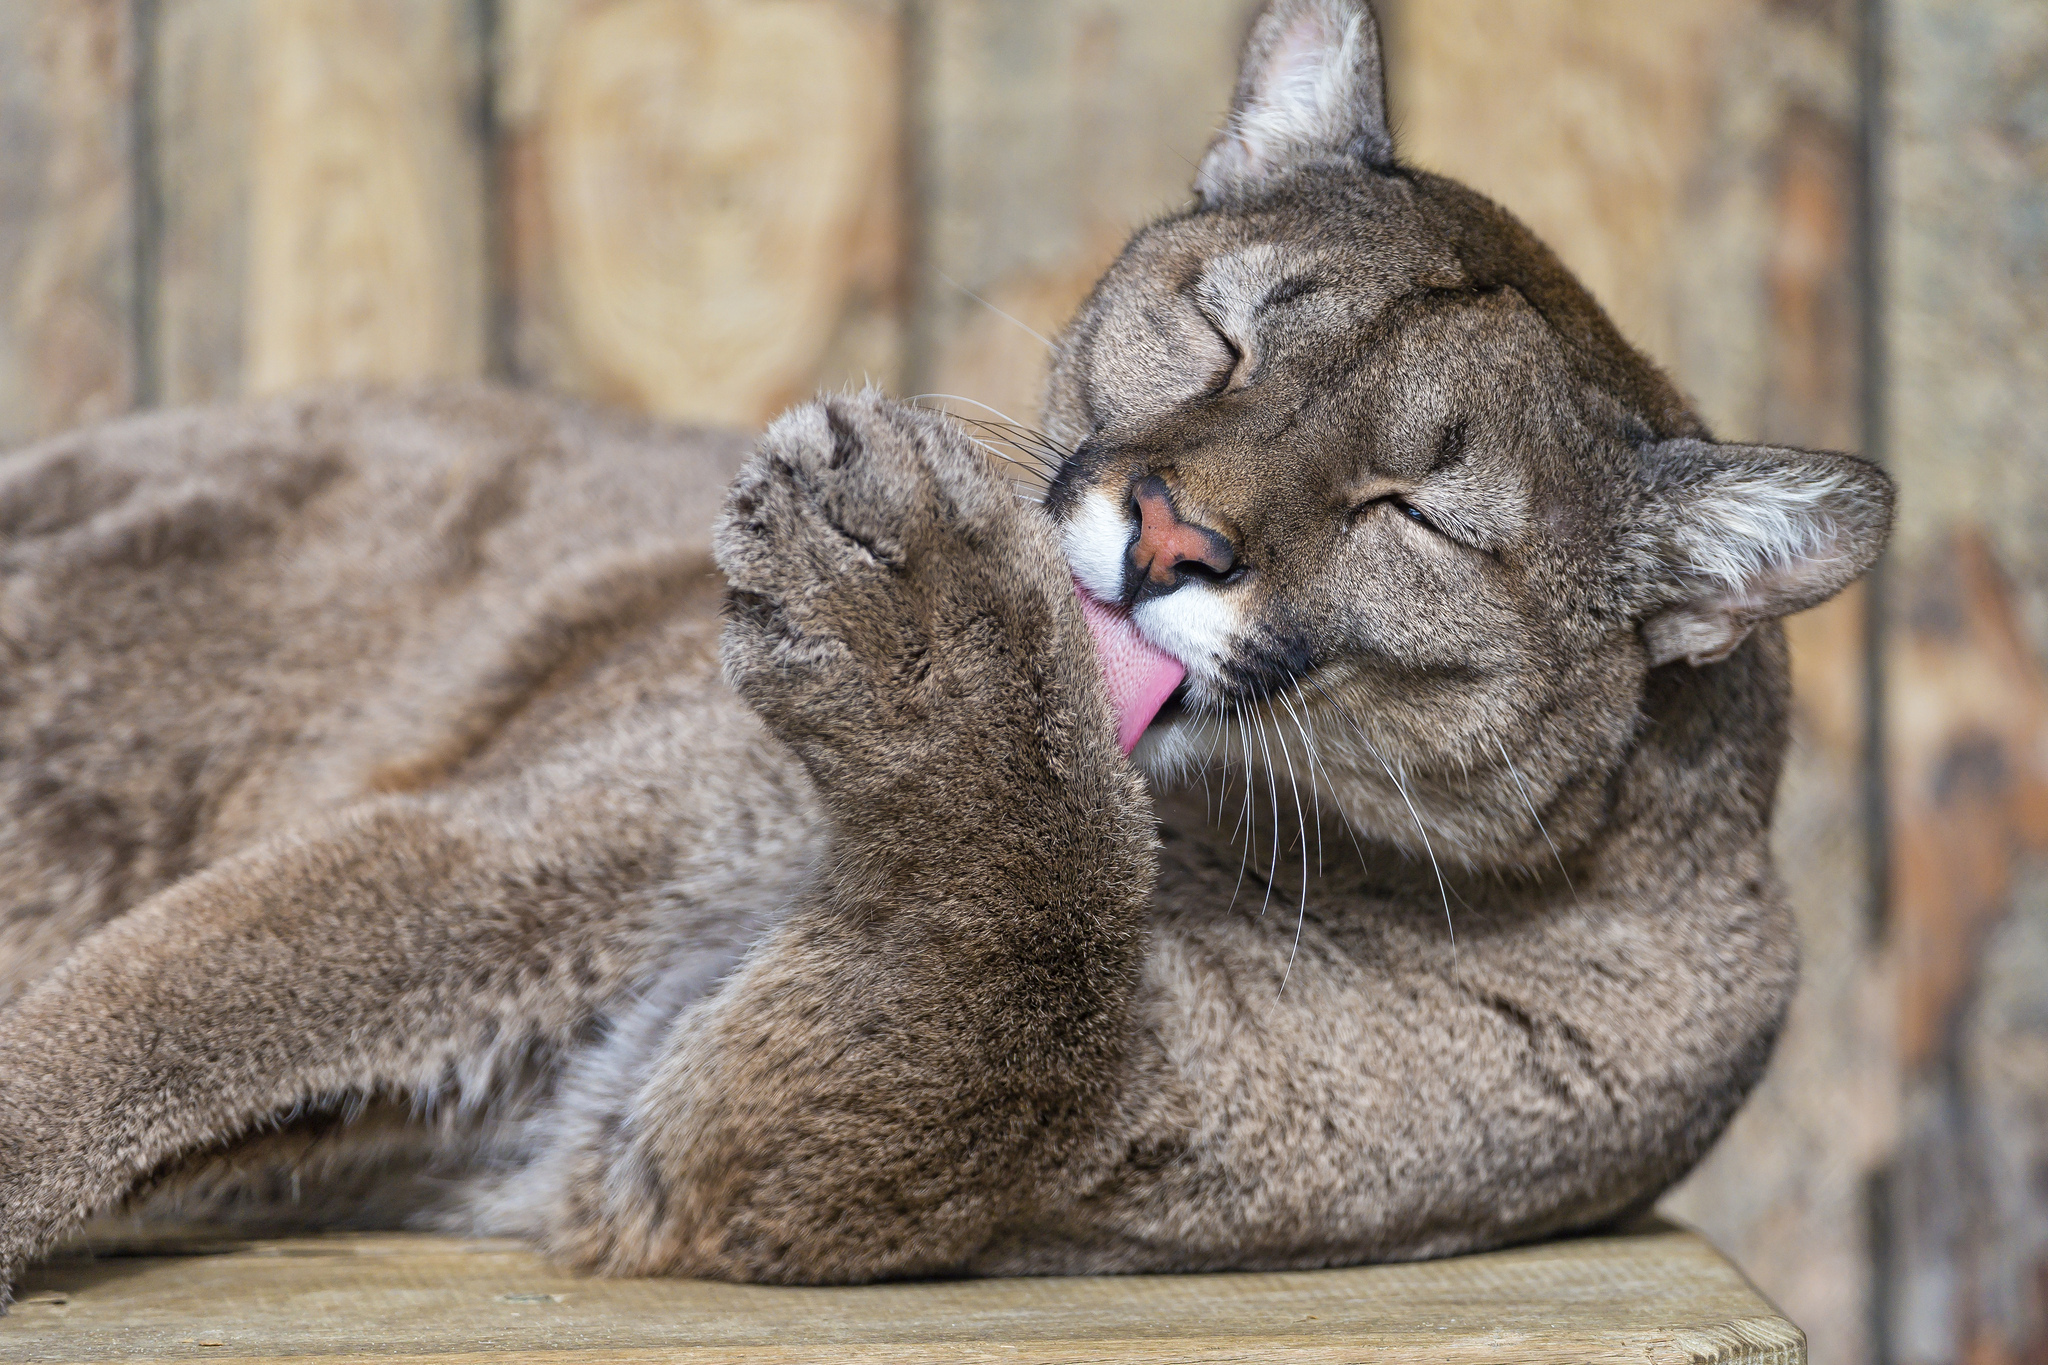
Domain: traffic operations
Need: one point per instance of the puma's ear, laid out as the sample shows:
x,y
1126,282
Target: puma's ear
x,y
1311,86
1751,533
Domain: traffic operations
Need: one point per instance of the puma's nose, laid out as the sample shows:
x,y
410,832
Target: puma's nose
x,y
1169,551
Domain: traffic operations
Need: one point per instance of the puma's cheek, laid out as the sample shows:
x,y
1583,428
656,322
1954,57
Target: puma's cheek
x,y
1095,539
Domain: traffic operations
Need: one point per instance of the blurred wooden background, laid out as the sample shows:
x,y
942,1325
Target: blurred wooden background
x,y
1829,217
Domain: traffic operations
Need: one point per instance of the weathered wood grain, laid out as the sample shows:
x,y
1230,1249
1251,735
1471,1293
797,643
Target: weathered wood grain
x,y
319,169
1966,160
1695,162
66,198
703,199
200,101
1968,758
1586,119
1046,133
366,208
1659,1295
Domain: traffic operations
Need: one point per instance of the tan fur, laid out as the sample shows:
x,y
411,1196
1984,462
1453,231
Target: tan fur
x,y
374,751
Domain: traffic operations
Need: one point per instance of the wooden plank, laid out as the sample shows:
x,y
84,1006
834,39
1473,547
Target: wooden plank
x,y
703,199
66,244
1695,161
1659,1294
1046,133
1966,286
1586,120
320,171
200,99
366,242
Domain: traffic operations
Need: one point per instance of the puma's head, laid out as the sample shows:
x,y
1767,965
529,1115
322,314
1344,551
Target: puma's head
x,y
1352,444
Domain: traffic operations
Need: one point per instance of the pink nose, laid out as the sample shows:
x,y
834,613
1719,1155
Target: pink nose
x,y
1170,551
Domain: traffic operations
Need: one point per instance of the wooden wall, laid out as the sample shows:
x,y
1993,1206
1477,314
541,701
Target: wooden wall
x,y
701,208
1828,217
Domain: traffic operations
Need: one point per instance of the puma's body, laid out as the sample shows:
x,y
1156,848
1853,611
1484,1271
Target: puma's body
x,y
389,624
377,748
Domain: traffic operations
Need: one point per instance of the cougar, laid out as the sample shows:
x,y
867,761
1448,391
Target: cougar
x,y
1332,827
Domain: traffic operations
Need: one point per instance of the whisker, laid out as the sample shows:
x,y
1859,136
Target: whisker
x,y
1534,816
1211,801
1003,432
1042,338
1300,820
1301,823
1238,710
1032,436
1273,787
1308,744
991,451
1244,816
1344,715
1442,888
958,398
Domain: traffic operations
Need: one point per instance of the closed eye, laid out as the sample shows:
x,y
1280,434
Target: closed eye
x,y
1234,361
1400,507
1416,515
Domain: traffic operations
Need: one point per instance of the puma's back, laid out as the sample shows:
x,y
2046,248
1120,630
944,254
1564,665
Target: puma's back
x,y
221,623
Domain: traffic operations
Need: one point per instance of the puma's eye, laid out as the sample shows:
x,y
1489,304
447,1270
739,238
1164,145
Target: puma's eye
x,y
1403,508
1413,513
1233,358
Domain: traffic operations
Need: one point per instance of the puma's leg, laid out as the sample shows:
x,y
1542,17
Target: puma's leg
x,y
407,946
930,1044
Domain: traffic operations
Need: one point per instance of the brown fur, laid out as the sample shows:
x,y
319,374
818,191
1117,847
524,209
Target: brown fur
x,y
375,749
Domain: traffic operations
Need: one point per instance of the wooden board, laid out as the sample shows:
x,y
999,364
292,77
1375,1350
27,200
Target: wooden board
x,y
319,171
702,199
1966,286
1046,132
367,254
66,238
204,82
1660,1294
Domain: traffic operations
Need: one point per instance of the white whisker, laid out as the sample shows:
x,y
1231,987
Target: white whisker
x,y
956,398
1273,786
1245,822
1442,887
1308,744
1531,804
1301,823
1042,338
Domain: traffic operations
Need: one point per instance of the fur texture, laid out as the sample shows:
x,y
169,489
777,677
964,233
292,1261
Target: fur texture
x,y
384,806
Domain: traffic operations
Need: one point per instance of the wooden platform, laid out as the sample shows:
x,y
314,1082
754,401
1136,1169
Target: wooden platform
x,y
1660,1294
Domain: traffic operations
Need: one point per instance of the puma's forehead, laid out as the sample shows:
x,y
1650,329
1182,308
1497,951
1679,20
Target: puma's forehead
x,y
1334,251
1374,245
1318,281
1235,288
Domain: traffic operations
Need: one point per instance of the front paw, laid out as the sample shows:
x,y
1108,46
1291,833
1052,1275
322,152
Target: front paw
x,y
894,607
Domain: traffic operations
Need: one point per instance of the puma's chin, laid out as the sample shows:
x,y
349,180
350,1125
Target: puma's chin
x,y
1178,742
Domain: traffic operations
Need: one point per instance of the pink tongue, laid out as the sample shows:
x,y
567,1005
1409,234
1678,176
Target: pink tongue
x,y
1140,676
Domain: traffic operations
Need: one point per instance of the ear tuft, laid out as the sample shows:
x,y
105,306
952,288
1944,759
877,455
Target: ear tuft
x,y
1312,86
1752,533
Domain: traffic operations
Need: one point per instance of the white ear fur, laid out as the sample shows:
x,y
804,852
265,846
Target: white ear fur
x,y
1753,533
1311,86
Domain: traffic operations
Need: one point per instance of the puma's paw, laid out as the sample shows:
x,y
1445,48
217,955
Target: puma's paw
x,y
893,606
